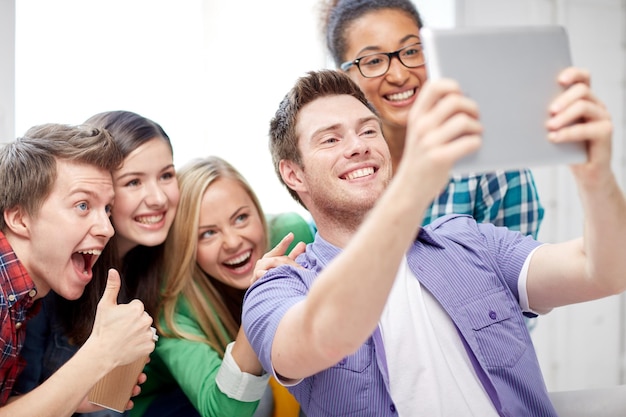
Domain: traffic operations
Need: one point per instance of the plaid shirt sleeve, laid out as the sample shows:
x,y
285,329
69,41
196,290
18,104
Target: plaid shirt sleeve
x,y
17,292
503,198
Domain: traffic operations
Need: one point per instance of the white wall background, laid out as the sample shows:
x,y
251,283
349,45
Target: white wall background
x,y
213,72
210,72
7,69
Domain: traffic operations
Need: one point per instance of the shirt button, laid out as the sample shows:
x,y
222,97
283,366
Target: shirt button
x,y
493,315
12,297
392,407
18,325
32,293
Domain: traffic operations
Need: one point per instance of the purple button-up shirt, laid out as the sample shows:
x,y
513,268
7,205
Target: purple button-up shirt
x,y
471,269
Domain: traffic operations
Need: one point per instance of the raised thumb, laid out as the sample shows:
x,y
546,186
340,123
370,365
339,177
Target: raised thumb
x,y
112,289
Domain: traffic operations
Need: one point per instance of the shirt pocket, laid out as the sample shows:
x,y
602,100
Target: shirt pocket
x,y
498,328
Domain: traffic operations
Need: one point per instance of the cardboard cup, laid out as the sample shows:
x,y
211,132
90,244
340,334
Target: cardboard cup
x,y
115,389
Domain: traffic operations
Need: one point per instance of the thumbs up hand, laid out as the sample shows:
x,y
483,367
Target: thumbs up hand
x,y
121,331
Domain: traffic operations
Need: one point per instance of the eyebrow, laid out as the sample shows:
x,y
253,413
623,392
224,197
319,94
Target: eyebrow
x,y
235,214
137,173
238,211
90,193
376,49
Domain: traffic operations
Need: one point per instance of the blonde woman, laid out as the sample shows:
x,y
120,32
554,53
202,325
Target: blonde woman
x,y
212,248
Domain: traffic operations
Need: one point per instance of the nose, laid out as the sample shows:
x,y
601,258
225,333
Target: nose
x,y
231,239
155,196
356,145
102,225
397,72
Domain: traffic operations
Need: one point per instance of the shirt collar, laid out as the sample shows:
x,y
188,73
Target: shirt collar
x,y
425,236
17,285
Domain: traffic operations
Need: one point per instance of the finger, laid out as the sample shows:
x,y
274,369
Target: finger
x,y
269,263
456,138
571,96
258,273
583,131
136,391
434,126
297,250
432,92
130,405
109,297
572,75
452,106
142,377
580,111
281,247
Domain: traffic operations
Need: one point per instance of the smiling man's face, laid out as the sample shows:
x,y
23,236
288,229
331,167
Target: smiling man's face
x,y
345,159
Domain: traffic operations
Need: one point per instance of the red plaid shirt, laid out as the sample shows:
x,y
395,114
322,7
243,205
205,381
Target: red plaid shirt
x,y
17,291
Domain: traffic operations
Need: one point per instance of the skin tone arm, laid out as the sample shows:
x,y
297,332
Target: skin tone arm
x,y
120,335
242,352
591,267
344,304
244,355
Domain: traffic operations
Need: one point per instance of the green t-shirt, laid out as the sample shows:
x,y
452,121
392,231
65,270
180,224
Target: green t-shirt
x,y
193,366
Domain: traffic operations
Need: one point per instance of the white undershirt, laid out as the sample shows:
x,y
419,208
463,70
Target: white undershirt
x,y
430,372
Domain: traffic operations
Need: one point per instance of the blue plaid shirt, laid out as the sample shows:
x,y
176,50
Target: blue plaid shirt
x,y
502,198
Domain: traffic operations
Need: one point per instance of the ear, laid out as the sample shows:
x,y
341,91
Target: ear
x,y
17,221
291,173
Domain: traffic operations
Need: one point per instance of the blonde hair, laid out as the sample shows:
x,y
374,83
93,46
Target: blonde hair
x,y
183,276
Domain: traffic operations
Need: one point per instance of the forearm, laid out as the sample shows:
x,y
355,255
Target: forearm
x,y
62,393
244,356
346,301
604,233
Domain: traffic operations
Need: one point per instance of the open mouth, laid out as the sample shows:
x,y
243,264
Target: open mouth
x,y
84,260
238,262
405,95
359,173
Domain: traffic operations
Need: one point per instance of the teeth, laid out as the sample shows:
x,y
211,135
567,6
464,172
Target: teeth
x,y
150,219
401,96
91,252
238,259
363,172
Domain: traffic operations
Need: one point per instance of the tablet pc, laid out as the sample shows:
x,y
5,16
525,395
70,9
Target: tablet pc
x,y
511,73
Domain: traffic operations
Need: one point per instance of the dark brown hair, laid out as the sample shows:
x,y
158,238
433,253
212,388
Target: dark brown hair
x,y
316,84
337,16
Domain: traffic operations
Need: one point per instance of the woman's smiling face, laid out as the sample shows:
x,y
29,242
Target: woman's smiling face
x,y
146,196
393,93
231,236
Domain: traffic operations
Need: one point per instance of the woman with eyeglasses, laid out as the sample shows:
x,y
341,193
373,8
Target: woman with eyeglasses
x,y
377,43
